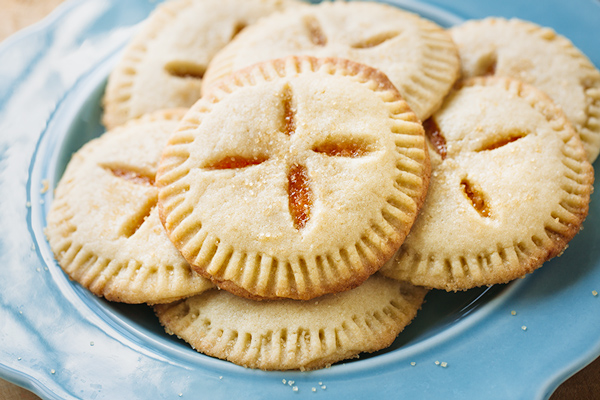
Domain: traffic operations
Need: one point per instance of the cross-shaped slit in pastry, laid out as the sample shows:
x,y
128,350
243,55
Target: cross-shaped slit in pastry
x,y
471,190
507,138
288,125
236,162
434,134
487,65
185,69
375,40
314,30
138,178
476,197
300,194
132,176
237,28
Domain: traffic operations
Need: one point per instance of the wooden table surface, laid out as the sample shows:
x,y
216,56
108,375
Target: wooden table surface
x,y
17,14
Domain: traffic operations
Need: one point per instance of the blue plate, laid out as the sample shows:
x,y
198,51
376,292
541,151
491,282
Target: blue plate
x,y
61,342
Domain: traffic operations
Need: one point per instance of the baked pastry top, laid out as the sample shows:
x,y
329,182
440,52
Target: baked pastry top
x,y
294,178
510,186
539,56
292,334
417,55
163,65
103,226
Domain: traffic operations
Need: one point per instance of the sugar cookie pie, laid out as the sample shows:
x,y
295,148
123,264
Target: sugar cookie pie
x,y
417,55
510,186
540,57
294,178
103,226
163,65
292,334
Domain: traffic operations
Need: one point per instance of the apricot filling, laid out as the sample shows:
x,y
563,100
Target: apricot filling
x,y
236,162
434,133
476,198
342,149
300,195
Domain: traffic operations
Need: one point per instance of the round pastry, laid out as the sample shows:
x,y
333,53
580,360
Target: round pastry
x,y
293,334
540,57
417,55
510,186
163,65
294,178
103,226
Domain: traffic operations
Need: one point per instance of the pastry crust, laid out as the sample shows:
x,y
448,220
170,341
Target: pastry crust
x,y
511,191
417,55
539,56
229,178
292,334
163,65
103,226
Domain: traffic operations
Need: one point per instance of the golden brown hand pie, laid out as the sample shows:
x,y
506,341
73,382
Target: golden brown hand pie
x,y
103,225
417,55
510,186
540,57
294,334
163,65
294,178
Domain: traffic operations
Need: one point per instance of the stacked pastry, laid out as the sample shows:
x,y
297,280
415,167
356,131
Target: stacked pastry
x,y
268,185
